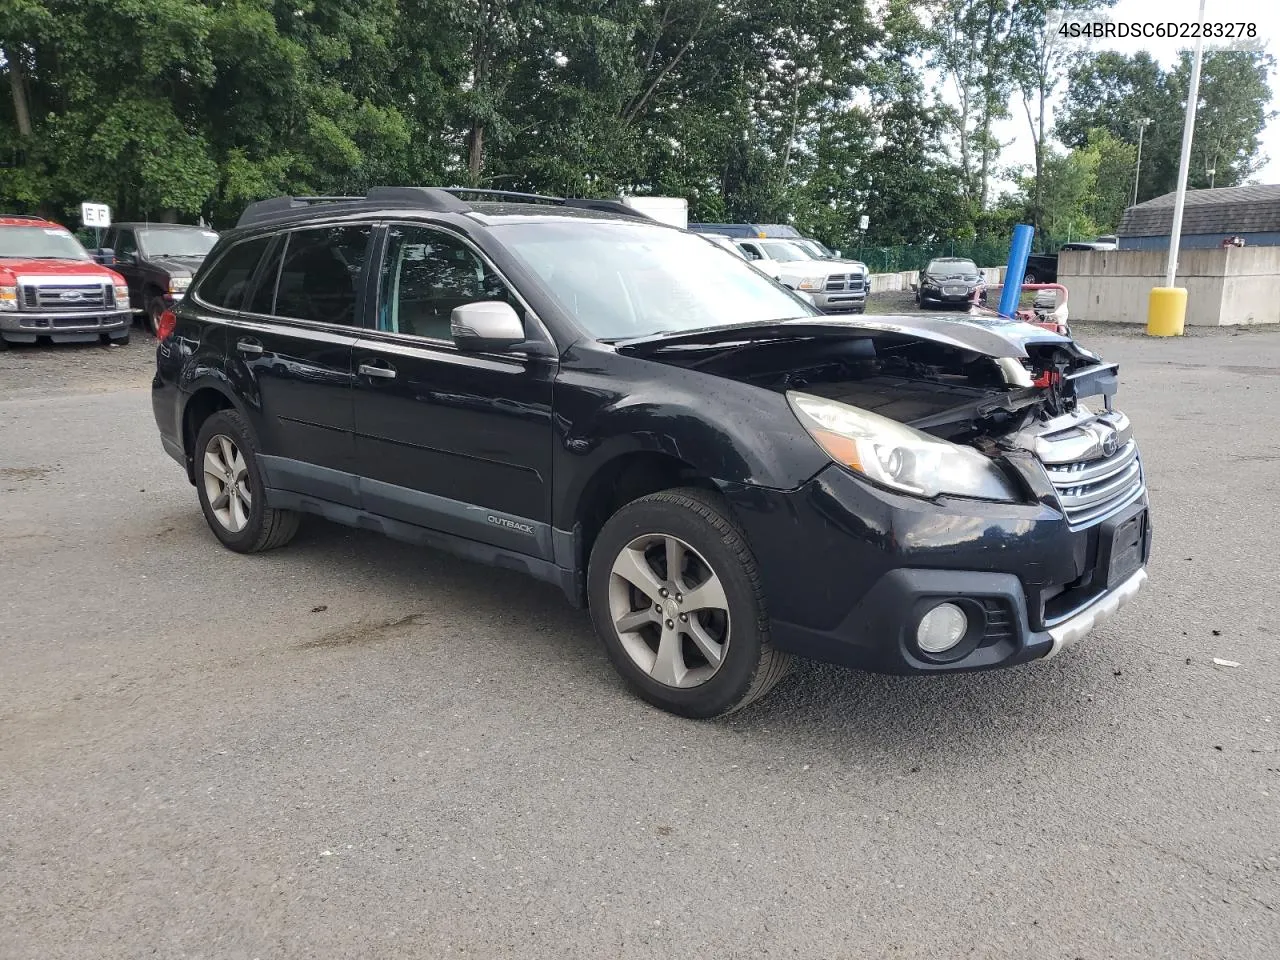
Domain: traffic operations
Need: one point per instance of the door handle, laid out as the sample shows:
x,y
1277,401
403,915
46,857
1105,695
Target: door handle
x,y
386,372
251,347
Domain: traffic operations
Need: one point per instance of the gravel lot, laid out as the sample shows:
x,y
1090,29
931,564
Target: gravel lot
x,y
351,747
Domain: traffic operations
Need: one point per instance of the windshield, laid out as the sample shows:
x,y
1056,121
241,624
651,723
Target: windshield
x,y
625,280
724,243
952,267
817,249
177,243
784,251
40,243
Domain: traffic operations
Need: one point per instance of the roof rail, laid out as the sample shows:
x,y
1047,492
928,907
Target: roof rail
x,y
433,198
582,203
437,199
25,216
275,206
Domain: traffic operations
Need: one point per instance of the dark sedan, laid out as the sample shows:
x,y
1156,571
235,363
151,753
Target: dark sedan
x,y
950,280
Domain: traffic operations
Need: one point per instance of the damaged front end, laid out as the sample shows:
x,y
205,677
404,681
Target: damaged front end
x,y
980,469
1017,395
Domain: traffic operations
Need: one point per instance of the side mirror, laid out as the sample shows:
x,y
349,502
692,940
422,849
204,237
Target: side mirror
x,y
837,253
487,325
104,255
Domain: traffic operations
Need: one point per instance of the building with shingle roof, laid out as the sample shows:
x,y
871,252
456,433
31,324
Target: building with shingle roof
x,y
1208,217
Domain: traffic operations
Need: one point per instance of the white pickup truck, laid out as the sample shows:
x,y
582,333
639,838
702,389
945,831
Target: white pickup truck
x,y
836,286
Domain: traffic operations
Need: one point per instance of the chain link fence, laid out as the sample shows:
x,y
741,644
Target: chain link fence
x,y
985,253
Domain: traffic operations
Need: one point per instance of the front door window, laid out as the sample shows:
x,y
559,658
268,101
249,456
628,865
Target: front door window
x,y
425,275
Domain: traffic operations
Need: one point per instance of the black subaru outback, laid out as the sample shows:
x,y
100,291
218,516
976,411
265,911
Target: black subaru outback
x,y
722,475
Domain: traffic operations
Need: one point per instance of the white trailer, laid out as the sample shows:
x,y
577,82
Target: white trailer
x,y
672,210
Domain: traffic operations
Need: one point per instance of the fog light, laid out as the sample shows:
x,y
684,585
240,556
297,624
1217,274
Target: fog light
x,y
941,628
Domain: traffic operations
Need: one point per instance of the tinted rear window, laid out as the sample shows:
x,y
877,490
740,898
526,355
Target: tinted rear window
x,y
320,277
263,298
227,282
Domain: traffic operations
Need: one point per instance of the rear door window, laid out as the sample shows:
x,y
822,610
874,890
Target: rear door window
x,y
262,299
321,274
226,284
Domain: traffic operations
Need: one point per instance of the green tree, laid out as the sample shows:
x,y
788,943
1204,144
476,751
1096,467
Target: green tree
x,y
1114,92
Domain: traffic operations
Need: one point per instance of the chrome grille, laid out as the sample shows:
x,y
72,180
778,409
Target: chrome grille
x,y
840,282
1090,490
52,297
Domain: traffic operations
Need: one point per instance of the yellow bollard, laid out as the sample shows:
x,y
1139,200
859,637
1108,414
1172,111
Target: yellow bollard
x,y
1166,311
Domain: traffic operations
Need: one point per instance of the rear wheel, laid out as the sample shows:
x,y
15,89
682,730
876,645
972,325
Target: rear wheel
x,y
231,489
676,598
1030,277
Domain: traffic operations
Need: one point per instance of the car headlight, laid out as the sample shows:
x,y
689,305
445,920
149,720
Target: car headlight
x,y
812,283
8,298
179,284
122,295
897,456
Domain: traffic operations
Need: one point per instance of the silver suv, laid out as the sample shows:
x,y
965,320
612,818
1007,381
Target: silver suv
x,y
836,286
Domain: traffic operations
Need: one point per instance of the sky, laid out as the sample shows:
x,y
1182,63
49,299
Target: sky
x,y
1265,13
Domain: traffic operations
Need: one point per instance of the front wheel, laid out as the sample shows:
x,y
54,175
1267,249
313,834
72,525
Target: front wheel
x,y
231,489
676,598
155,307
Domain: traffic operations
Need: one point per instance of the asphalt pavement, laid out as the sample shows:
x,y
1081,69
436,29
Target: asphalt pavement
x,y
355,748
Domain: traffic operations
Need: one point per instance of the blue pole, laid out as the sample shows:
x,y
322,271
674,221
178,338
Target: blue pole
x,y
1019,249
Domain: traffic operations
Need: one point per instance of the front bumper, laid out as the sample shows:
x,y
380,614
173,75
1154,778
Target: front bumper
x,y
874,562
25,326
937,295
850,301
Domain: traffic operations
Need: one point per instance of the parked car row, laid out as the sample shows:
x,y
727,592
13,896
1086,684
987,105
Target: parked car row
x,y
51,286
835,284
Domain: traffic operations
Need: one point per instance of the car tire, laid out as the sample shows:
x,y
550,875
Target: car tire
x,y
231,489
107,340
155,307
1030,277
722,658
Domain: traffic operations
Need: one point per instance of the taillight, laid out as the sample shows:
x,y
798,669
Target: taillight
x,y
164,329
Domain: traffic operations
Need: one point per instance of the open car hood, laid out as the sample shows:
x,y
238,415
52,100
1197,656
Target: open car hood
x,y
986,336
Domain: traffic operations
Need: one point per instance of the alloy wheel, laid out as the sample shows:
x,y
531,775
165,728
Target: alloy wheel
x,y
226,483
669,609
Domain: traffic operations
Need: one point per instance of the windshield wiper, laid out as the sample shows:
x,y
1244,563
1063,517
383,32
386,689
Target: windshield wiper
x,y
784,328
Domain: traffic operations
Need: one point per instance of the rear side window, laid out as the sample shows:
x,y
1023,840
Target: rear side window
x,y
320,275
262,300
227,282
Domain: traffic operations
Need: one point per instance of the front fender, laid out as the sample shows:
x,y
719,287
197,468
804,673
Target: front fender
x,y
726,431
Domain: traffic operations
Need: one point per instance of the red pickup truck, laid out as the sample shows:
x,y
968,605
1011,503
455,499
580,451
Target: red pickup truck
x,y
50,287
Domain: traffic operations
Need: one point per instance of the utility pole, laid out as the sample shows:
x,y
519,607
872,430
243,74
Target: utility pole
x,y
1167,305
1137,167
1184,162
